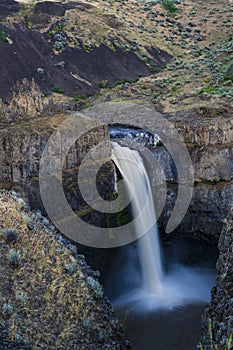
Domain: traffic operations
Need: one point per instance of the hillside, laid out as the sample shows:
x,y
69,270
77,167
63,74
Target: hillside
x,y
109,59
49,297
173,56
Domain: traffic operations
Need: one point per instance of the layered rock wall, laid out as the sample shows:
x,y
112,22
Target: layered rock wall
x,y
210,144
21,149
209,139
25,101
217,321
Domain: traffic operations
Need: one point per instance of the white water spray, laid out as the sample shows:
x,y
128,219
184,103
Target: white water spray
x,y
152,289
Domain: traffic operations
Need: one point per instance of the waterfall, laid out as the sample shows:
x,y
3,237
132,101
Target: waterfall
x,y
131,167
137,275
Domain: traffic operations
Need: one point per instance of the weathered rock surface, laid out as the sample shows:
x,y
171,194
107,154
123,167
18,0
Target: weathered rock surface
x,y
25,101
217,321
21,149
209,143
8,6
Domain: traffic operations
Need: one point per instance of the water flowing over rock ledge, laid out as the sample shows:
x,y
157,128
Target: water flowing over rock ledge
x,y
209,143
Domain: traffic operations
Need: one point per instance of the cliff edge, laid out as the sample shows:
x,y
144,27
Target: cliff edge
x,y
49,297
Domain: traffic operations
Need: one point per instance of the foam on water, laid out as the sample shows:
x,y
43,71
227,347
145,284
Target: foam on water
x,y
141,281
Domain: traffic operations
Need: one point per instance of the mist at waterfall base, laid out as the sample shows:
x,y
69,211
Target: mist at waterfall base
x,y
141,277
181,285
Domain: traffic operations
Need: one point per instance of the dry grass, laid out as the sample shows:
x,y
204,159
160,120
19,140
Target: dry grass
x,y
45,299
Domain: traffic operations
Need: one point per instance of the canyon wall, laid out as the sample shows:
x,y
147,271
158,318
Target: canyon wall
x,y
212,192
209,142
21,148
217,322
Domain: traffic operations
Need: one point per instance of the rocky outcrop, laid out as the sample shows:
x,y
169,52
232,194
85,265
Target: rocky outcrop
x,y
21,150
211,154
25,101
217,321
209,142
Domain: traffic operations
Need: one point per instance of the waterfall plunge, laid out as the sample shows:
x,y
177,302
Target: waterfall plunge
x,y
151,289
132,169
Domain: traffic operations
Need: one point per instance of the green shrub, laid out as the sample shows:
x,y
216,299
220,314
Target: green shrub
x,y
169,6
96,287
101,85
21,296
152,68
79,98
15,257
156,95
228,77
11,235
40,71
126,81
174,88
57,90
45,222
7,309
3,35
207,89
71,268
60,64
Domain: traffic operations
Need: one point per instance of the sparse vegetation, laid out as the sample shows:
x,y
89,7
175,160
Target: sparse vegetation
x,y
161,24
207,89
152,69
3,35
49,290
79,98
212,345
57,90
169,6
15,257
50,282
